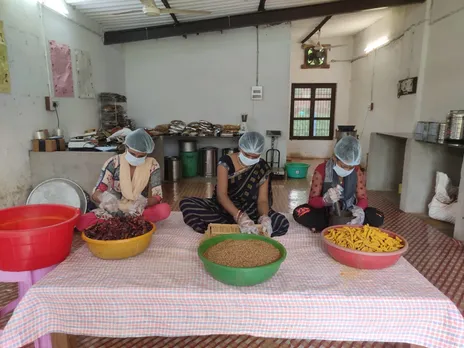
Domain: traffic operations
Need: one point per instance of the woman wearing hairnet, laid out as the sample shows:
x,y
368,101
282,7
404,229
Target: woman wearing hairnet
x,y
339,180
129,184
243,193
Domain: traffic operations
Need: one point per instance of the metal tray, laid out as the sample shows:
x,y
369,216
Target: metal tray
x,y
59,191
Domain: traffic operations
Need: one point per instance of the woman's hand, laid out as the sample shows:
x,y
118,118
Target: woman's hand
x,y
138,206
246,224
266,222
333,195
109,202
358,214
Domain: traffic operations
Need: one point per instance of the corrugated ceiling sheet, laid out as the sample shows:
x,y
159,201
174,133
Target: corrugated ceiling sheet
x,y
103,11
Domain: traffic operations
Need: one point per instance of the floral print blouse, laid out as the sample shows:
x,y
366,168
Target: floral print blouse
x,y
109,179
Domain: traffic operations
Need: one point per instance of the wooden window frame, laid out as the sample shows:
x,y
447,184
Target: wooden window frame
x,y
313,99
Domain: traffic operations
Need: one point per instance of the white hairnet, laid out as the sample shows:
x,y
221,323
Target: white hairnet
x,y
348,150
140,141
252,142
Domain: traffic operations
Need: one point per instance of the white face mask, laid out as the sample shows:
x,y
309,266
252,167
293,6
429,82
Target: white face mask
x,y
247,161
342,172
134,161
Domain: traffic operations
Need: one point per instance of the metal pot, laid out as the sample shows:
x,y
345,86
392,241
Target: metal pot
x,y
208,161
41,134
187,146
455,126
343,219
341,134
172,168
442,133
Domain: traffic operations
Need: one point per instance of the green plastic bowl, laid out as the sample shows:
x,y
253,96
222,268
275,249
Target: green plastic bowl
x,y
241,276
297,170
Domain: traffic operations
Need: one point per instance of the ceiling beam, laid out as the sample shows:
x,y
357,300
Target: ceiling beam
x,y
249,20
173,16
316,29
262,4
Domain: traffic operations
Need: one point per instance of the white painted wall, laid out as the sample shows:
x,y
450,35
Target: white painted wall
x,y
209,77
444,69
339,73
375,77
23,111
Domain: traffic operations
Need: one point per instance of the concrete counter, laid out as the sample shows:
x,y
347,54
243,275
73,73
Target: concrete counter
x,y
398,158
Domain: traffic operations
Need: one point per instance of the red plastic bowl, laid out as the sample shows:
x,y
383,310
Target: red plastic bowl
x,y
363,259
35,236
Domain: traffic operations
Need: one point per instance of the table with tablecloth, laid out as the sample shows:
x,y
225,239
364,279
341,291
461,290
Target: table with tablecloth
x,y
166,292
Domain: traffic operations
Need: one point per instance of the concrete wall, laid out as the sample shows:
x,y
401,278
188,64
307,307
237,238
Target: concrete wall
x,y
374,77
23,111
444,70
339,73
210,77
424,43
385,168
80,167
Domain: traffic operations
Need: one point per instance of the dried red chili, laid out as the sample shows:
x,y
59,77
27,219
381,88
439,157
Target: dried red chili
x,y
118,228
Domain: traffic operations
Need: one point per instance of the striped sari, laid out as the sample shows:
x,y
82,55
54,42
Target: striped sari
x,y
243,190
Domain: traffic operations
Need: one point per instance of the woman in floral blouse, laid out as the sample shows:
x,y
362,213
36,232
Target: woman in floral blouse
x,y
129,184
338,181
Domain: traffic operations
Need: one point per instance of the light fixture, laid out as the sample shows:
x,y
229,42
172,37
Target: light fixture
x,y
376,44
56,5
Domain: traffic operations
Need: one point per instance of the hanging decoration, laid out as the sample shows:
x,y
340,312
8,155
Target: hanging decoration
x,y
84,75
60,56
5,86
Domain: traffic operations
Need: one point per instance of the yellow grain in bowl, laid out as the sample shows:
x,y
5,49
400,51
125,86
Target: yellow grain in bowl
x,y
366,238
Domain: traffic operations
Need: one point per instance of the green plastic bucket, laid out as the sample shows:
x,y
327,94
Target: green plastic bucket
x,y
297,170
241,276
189,164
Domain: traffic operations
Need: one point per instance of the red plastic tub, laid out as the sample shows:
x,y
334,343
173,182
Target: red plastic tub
x,y
363,259
35,236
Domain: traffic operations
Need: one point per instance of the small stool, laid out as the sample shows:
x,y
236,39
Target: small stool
x,y
25,280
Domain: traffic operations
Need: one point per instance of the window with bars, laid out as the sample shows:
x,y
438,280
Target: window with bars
x,y
312,113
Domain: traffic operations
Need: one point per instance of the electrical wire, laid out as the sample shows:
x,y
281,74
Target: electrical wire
x,y
257,56
57,117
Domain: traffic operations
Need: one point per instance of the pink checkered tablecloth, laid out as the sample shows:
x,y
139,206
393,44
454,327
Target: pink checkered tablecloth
x,y
166,292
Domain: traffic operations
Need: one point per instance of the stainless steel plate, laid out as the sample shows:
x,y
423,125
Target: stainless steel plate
x,y
59,191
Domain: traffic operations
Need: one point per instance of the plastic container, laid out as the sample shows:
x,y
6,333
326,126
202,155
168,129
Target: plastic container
x,y
297,170
119,249
363,259
241,276
189,164
35,236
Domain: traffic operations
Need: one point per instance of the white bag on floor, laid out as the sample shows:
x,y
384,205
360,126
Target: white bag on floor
x,y
444,206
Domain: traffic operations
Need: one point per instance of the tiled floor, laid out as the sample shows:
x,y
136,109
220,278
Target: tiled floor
x,y
443,227
439,258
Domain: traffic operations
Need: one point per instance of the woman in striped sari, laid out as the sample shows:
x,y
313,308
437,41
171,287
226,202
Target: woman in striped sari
x,y
243,194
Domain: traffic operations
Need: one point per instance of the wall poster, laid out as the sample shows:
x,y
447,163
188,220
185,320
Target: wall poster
x,y
60,57
5,86
84,75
